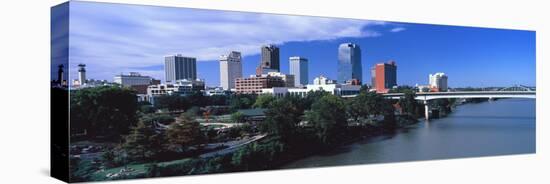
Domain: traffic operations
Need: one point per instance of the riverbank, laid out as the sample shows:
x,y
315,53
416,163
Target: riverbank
x,y
267,153
272,152
502,127
356,134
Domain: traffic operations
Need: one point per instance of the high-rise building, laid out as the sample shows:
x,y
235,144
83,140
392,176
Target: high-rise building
x,y
270,59
384,76
438,81
177,67
230,69
81,74
299,68
60,74
349,63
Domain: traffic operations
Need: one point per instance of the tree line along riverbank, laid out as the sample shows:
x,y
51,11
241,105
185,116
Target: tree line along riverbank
x,y
294,128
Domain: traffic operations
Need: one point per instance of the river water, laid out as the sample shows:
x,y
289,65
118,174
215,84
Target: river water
x,y
501,127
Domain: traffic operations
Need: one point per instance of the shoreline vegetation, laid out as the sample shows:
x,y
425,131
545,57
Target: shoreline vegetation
x,y
213,136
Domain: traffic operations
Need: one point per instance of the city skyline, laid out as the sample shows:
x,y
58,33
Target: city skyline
x,y
193,92
465,53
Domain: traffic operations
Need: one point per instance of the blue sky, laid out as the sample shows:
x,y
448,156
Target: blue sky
x,y
113,38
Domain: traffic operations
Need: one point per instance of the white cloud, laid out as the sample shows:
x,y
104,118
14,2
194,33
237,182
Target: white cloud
x,y
114,38
397,29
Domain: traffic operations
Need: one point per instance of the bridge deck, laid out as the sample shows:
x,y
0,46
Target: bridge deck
x,y
464,94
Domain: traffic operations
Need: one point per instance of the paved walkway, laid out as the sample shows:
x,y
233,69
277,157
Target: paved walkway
x,y
233,146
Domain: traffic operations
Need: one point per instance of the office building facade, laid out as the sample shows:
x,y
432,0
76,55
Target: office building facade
x,y
298,66
254,84
438,81
133,79
384,76
349,63
269,60
230,69
320,83
178,67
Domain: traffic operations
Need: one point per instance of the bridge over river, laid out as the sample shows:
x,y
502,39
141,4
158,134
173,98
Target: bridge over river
x,y
427,96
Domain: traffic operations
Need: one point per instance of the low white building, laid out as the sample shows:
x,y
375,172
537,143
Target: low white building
x,y
283,91
439,81
423,88
90,83
215,91
133,79
180,87
322,80
320,84
336,89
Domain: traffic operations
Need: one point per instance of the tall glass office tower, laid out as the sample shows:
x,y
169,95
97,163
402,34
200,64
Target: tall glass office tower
x,y
270,60
299,68
270,57
178,67
349,63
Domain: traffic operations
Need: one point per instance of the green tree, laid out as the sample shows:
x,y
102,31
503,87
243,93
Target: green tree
x,y
241,158
242,101
238,117
197,99
217,100
109,158
409,104
282,118
147,109
357,107
151,119
103,111
387,110
312,96
263,101
143,143
193,112
171,102
364,105
184,133
444,105
328,116
257,156
299,102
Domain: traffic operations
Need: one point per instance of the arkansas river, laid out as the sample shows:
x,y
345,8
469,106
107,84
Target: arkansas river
x,y
501,127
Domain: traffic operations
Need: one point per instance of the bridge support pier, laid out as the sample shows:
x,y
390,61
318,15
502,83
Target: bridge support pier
x,y
426,110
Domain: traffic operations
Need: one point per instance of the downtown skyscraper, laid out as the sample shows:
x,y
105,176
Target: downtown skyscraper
x,y
299,68
349,63
230,69
270,60
384,76
177,67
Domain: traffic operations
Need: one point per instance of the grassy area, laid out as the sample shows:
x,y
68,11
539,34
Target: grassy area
x,y
216,119
137,169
